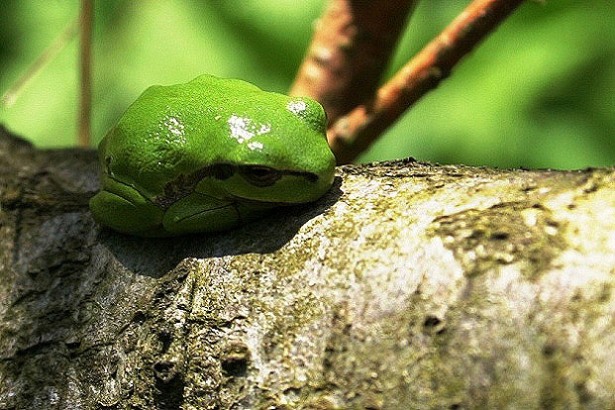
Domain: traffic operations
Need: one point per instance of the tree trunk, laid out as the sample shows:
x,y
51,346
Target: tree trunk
x,y
408,285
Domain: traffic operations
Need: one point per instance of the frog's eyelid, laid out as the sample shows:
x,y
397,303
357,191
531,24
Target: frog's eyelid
x,y
260,176
222,171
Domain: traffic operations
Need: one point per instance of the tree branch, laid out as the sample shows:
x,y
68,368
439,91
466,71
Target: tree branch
x,y
449,286
353,133
352,45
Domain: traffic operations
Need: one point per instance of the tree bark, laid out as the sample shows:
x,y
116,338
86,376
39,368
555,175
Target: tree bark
x,y
409,285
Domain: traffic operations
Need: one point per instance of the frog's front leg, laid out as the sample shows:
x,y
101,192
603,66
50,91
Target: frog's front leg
x,y
123,208
199,212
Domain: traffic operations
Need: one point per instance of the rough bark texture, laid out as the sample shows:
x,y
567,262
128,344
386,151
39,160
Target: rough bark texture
x,y
408,286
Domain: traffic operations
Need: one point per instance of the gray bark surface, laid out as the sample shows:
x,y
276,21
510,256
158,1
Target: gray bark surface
x,y
409,285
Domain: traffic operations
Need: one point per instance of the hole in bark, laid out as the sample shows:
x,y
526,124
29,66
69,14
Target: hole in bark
x,y
431,321
235,359
434,324
165,338
548,350
235,366
165,371
139,317
500,235
169,386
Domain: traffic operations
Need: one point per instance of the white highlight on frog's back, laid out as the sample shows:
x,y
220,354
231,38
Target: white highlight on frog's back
x,y
175,127
255,145
297,107
243,128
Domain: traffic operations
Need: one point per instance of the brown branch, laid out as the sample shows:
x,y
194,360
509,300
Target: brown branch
x,y
85,94
353,133
352,45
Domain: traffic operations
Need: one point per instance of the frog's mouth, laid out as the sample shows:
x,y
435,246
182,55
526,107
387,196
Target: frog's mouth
x,y
257,203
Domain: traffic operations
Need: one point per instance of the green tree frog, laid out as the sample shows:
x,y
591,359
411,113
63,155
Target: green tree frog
x,y
208,155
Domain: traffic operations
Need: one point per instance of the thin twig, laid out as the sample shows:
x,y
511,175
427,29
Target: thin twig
x,y
351,47
85,59
353,133
12,94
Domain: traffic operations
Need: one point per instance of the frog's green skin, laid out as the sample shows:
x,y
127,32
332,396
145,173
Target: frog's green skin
x,y
208,155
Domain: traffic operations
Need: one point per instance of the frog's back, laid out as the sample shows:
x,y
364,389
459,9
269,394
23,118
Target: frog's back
x,y
172,130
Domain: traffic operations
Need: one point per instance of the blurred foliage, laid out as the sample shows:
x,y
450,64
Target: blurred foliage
x,y
540,92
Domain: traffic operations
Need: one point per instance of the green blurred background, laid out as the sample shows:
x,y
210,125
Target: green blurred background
x,y
540,92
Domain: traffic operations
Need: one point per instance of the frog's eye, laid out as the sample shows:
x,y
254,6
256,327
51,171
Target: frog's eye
x,y
260,176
